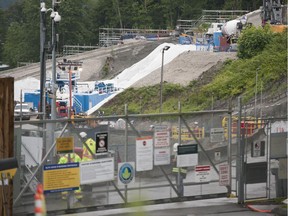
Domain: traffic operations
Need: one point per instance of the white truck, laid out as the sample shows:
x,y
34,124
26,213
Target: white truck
x,y
214,27
22,111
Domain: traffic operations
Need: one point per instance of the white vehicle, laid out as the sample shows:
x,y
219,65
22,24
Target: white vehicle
x,y
214,27
22,110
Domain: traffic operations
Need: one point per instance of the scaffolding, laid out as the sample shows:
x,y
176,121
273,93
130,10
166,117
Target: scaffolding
x,y
209,16
114,36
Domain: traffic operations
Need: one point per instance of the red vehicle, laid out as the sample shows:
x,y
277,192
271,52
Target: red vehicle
x,y
62,109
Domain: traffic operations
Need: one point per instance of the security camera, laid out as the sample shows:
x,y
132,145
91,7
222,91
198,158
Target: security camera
x,y
43,8
57,17
52,15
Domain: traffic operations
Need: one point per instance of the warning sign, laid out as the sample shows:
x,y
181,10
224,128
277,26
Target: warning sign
x,y
224,175
61,177
144,153
217,135
64,145
161,136
101,142
258,149
202,173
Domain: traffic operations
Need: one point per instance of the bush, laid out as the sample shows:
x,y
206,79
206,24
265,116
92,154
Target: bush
x,y
252,41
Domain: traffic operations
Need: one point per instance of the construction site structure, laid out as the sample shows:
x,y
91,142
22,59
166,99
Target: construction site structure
x,y
209,16
114,36
274,13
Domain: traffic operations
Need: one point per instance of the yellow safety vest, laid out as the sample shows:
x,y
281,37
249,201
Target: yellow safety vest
x,y
92,146
73,158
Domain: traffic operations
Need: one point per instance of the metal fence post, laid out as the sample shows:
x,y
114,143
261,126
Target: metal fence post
x,y
179,175
126,146
240,154
229,153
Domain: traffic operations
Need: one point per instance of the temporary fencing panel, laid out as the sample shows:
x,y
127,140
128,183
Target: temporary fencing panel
x,y
131,140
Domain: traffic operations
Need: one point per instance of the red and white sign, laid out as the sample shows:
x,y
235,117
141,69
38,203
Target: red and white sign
x,y
144,153
224,175
161,136
202,173
162,156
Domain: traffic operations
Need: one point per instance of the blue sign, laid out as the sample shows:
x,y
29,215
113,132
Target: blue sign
x,y
126,173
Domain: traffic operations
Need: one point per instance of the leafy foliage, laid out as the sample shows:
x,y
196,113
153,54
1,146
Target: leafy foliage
x,y
253,40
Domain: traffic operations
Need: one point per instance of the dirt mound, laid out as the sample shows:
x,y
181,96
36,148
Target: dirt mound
x,y
187,67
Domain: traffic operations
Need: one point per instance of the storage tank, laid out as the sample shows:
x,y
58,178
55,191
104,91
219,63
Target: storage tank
x,y
233,27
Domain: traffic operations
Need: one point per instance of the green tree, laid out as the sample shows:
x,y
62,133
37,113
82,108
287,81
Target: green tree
x,y
252,41
75,26
22,33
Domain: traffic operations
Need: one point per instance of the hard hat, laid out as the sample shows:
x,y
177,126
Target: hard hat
x,y
83,134
175,149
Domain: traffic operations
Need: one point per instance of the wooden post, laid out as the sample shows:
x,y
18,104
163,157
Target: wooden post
x,y
6,137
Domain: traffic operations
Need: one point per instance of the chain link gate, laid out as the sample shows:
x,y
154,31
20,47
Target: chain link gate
x,y
154,179
261,170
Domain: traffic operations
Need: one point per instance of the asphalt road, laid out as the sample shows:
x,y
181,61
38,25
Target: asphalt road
x,y
219,206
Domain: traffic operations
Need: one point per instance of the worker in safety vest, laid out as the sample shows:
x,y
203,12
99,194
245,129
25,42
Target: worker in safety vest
x,y
87,156
71,158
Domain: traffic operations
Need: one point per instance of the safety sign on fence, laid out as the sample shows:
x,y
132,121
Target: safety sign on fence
x,y
144,153
202,173
126,173
224,175
161,136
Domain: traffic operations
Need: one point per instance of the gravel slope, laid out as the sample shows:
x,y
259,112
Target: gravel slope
x,y
186,67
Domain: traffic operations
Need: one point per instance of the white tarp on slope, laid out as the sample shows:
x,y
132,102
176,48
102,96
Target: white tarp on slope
x,y
144,67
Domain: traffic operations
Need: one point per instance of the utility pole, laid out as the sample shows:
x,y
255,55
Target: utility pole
x,y
42,58
53,101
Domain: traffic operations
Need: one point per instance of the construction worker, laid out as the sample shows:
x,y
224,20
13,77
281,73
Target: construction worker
x,y
71,158
91,144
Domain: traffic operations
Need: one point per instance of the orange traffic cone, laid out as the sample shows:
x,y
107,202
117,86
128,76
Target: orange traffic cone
x,y
40,207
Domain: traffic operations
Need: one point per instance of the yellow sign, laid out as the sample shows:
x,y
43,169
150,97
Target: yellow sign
x,y
186,135
61,177
65,145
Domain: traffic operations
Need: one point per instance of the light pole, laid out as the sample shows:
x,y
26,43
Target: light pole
x,y
161,83
56,18
42,104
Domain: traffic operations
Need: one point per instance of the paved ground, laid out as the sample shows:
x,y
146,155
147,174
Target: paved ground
x,y
219,206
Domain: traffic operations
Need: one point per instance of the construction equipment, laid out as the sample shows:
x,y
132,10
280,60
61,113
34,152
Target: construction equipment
x,y
273,12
